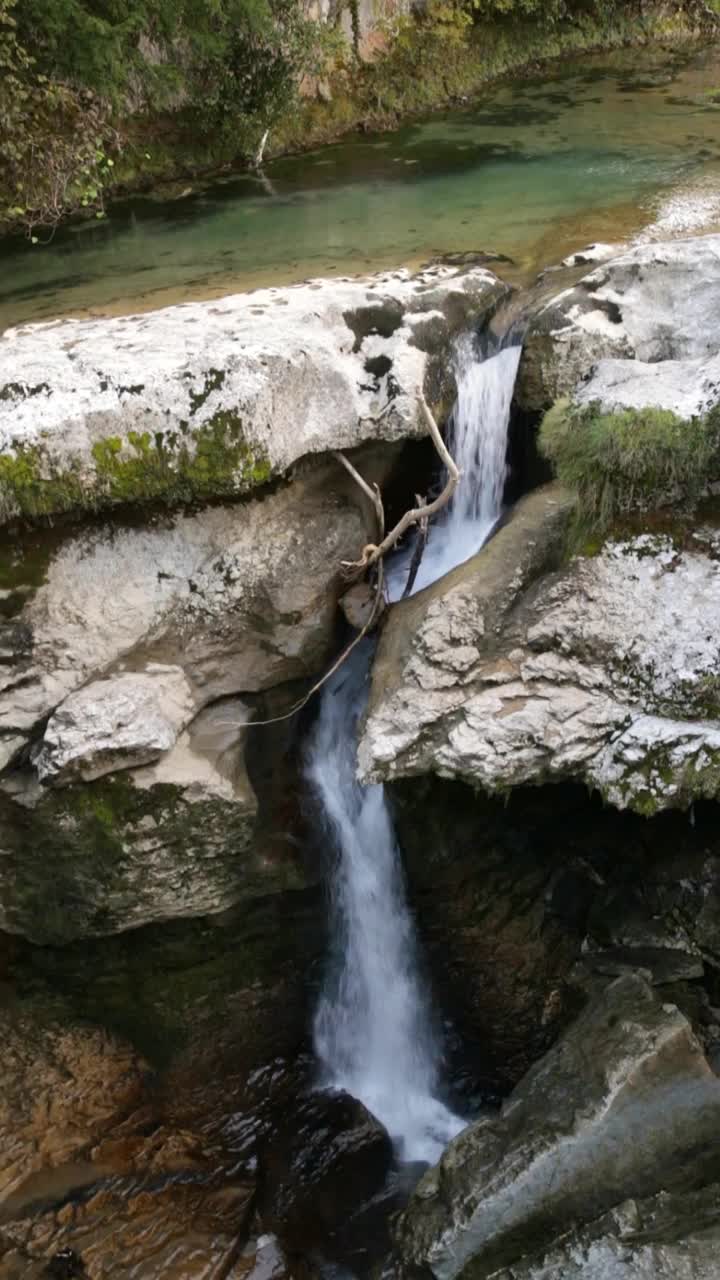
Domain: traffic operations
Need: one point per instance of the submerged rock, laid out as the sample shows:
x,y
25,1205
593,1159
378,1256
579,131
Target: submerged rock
x,y
211,399
620,1107
642,328
323,1159
605,670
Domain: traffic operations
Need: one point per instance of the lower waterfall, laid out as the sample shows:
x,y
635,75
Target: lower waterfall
x,y
374,1034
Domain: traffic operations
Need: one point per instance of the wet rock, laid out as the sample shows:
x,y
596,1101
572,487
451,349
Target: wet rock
x,y
324,1157
64,1086
620,1107
211,399
603,671
653,303
123,1230
484,880
127,719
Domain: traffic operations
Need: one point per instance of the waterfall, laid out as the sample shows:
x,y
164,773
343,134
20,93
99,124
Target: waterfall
x,y
478,443
373,1031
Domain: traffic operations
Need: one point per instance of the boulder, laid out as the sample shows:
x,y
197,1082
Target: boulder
x,y
686,387
621,1107
325,1156
211,399
664,1237
652,303
235,598
128,719
604,671
172,838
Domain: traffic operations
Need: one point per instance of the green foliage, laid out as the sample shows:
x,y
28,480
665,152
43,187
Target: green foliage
x,y
224,56
53,156
630,460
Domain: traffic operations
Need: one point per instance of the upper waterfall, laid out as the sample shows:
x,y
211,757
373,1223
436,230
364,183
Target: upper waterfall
x,y
478,442
373,1032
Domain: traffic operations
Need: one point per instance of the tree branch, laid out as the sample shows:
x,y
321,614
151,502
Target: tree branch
x,y
371,554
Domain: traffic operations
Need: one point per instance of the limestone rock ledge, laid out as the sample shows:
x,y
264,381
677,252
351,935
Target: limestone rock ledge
x,y
603,671
212,399
639,330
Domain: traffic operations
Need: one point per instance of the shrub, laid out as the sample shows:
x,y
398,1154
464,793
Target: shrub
x,y
53,140
629,460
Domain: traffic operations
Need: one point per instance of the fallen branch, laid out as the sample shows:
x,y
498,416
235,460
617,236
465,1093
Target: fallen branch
x,y
372,493
419,550
372,553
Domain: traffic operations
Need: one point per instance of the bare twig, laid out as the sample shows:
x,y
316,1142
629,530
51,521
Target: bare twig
x,y
419,550
372,553
372,493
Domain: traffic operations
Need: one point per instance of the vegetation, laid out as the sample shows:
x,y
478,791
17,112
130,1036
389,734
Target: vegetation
x,y
630,460
92,91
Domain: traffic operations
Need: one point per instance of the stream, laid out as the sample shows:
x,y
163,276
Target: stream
x,y
604,148
344,969
374,1034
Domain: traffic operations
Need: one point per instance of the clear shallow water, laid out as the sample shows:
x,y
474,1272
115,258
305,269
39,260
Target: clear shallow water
x,y
374,1034
532,169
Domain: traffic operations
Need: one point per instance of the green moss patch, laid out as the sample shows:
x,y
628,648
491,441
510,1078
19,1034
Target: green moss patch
x,y
632,460
184,465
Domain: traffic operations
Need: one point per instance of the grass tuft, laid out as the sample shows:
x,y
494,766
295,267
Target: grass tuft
x,y
631,460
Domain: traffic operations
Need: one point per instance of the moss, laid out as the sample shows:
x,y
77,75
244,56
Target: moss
x,y
96,838
658,779
631,460
209,461
172,467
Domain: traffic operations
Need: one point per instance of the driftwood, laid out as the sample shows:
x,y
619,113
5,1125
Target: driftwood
x,y
373,554
419,549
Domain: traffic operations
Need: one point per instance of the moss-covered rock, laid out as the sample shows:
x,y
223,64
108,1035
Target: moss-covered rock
x,y
629,460
94,858
215,399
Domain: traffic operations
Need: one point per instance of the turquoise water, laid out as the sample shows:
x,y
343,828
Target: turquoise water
x,y
531,169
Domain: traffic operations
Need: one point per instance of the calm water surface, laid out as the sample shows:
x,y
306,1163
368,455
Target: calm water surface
x,y
604,148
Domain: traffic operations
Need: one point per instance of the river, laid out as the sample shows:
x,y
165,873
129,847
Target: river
x,y
607,147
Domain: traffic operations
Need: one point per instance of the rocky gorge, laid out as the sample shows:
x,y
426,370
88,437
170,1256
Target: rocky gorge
x,y
544,717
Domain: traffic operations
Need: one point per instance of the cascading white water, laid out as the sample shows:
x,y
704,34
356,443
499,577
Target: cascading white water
x,y
373,1033
478,443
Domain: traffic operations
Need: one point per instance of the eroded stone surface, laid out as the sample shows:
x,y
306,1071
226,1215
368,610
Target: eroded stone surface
x,y
64,1086
172,838
128,719
239,598
653,303
605,671
213,398
665,1237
